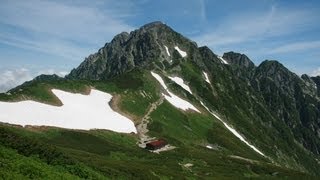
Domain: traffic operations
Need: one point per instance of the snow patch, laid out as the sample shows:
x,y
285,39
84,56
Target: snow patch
x,y
209,147
77,112
233,131
172,98
188,165
223,60
182,53
167,50
181,83
206,77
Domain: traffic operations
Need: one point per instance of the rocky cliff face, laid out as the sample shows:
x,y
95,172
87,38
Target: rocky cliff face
x,y
238,59
291,99
143,47
317,81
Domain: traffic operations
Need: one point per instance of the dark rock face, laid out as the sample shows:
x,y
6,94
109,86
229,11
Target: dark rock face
x,y
275,71
206,53
317,81
44,77
293,100
238,59
140,48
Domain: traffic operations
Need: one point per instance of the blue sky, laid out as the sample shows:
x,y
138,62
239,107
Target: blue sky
x,y
42,36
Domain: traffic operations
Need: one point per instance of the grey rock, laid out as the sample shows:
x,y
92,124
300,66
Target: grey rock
x,y
142,48
238,59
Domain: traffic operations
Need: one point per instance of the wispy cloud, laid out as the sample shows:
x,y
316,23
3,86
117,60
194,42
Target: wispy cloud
x,y
256,26
203,16
62,19
295,47
316,72
49,45
13,77
59,27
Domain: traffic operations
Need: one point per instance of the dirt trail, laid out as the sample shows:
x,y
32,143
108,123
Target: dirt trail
x,y
142,127
115,103
143,130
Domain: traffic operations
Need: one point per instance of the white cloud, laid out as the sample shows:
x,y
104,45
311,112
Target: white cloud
x,y
203,13
246,27
295,47
12,78
316,72
57,47
61,19
70,30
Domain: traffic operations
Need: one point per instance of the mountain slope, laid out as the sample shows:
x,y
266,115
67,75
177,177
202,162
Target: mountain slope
x,y
268,106
293,100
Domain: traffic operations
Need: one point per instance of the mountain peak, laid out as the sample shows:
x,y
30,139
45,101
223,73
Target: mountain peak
x,y
156,29
273,65
153,43
281,76
154,24
153,27
120,38
238,59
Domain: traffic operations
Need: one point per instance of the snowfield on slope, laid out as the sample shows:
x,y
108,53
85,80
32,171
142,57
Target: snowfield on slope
x,y
181,83
233,131
206,77
182,53
172,98
167,50
223,60
209,147
77,112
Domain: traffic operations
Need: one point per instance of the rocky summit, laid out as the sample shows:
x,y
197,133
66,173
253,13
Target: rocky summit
x,y
140,48
202,115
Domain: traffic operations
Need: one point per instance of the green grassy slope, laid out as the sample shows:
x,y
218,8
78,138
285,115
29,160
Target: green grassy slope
x,y
52,152
245,110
